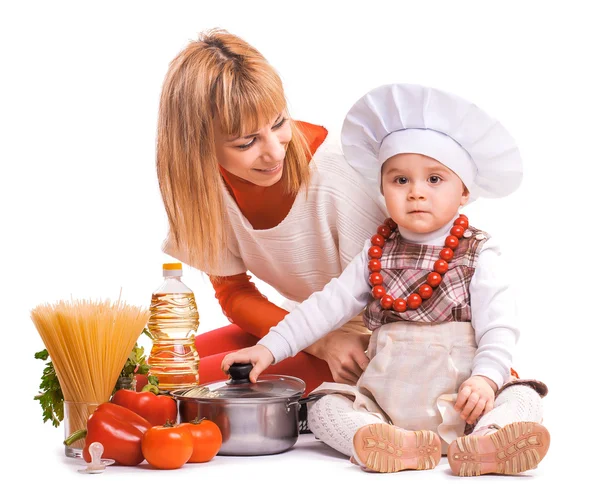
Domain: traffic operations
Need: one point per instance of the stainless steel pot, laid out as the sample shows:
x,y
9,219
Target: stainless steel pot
x,y
255,418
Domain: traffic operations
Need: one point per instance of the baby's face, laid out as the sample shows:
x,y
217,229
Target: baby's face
x,y
421,194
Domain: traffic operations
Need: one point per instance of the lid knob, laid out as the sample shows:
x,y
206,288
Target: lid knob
x,y
240,373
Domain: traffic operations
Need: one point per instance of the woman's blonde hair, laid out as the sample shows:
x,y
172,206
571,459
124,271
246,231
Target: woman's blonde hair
x,y
218,78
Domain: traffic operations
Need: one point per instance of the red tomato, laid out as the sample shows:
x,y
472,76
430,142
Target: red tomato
x,y
140,381
167,447
207,440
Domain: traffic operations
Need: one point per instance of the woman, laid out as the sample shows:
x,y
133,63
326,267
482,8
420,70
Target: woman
x,y
247,189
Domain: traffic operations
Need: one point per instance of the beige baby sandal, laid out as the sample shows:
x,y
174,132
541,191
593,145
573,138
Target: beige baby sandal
x,y
386,448
513,449
508,440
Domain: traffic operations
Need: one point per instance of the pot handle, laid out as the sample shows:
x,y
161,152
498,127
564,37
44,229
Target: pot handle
x,y
310,398
305,400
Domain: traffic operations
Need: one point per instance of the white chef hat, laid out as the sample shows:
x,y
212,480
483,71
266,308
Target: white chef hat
x,y
404,118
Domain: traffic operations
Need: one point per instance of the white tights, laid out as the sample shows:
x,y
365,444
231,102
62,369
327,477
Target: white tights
x,y
515,403
334,421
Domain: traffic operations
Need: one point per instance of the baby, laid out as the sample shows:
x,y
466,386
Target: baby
x,y
444,328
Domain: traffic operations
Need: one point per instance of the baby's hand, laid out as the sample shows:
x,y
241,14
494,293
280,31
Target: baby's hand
x,y
258,355
475,398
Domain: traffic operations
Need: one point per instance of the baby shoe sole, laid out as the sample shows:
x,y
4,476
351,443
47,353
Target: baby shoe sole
x,y
385,448
512,449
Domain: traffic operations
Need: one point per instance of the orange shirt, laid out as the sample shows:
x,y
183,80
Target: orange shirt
x,y
263,207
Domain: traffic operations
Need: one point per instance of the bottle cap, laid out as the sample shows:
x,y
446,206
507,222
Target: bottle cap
x,y
172,269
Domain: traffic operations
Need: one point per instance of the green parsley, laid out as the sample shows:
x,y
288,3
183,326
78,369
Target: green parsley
x,y
51,397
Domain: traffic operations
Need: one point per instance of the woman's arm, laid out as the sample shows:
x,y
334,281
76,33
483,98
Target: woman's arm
x,y
245,306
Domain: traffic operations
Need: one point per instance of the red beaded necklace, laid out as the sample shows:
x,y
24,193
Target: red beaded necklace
x,y
434,278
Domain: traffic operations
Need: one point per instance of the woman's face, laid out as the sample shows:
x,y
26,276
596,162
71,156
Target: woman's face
x,y
421,194
257,157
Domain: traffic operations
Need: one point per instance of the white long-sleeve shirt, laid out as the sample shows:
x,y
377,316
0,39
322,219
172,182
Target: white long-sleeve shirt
x,y
492,306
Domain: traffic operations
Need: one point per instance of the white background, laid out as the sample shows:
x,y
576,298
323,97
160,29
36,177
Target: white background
x,y
81,214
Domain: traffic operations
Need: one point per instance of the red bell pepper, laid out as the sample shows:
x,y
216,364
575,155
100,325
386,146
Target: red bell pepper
x,y
120,431
157,409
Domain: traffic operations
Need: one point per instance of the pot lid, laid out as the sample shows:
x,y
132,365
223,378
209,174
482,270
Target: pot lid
x,y
239,386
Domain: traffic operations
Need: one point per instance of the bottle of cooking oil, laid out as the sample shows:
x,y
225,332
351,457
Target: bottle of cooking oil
x,y
173,323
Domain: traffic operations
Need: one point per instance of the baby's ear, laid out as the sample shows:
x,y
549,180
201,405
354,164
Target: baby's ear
x,y
465,196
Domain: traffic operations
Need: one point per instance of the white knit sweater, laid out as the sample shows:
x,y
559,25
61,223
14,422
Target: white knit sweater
x,y
324,230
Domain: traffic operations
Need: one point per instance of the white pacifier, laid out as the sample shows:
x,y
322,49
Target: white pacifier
x,y
97,465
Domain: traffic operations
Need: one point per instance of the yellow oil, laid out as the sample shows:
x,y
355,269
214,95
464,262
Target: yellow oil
x,y
173,323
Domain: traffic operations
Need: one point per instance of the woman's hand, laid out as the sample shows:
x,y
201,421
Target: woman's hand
x,y
345,354
258,355
475,398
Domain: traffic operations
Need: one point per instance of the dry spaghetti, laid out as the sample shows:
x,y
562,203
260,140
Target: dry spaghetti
x,y
88,343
